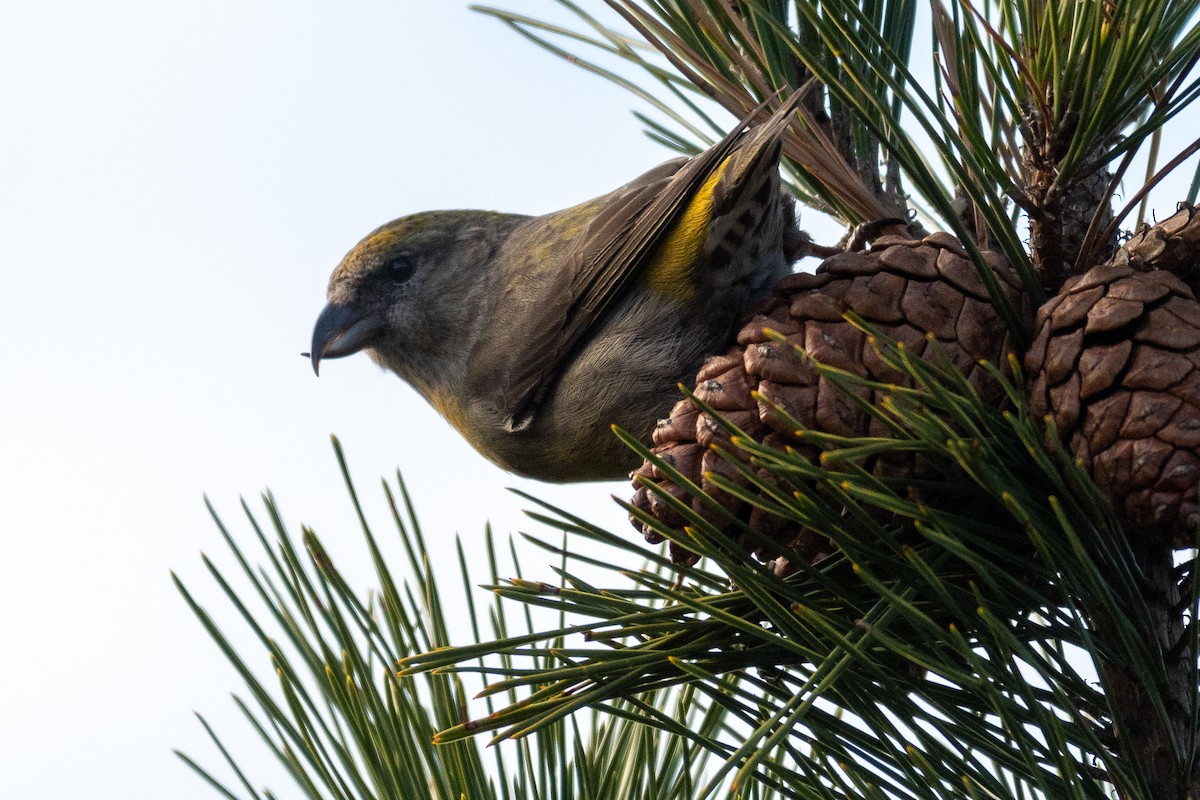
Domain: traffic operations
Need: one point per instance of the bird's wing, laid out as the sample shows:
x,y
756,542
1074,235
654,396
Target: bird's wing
x,y
613,253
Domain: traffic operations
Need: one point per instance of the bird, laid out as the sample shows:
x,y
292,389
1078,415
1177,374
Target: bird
x,y
534,336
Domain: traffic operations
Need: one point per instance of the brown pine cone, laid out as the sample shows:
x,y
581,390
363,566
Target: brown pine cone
x,y
1115,362
1173,245
923,293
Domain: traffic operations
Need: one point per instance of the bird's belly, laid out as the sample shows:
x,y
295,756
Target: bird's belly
x,y
628,375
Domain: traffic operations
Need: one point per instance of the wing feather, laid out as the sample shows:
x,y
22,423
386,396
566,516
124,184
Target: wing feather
x,y
614,252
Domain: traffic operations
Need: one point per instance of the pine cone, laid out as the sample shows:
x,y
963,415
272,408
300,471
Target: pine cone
x,y
917,292
1172,245
1116,364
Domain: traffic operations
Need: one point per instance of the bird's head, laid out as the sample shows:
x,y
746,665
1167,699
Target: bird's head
x,y
404,292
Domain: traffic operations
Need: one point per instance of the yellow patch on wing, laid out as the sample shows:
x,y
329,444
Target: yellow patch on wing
x,y
670,272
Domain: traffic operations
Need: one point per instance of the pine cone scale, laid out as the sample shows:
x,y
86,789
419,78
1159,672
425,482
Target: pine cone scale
x,y
773,364
815,307
1106,422
932,306
906,261
1153,410
1065,400
790,399
1155,368
961,274
1074,307
1111,313
841,351
1140,291
1101,366
1061,362
1183,430
873,296
1165,328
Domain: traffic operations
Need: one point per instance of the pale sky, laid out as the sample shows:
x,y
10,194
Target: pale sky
x,y
177,180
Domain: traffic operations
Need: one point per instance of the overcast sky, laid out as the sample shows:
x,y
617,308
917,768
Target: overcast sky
x,y
177,180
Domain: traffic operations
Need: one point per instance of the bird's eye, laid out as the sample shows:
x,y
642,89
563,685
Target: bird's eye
x,y
401,268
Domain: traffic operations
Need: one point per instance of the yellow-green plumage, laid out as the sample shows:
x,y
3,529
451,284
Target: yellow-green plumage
x,y
670,271
533,335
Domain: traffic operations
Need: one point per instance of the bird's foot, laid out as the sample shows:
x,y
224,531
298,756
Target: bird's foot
x,y
857,238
